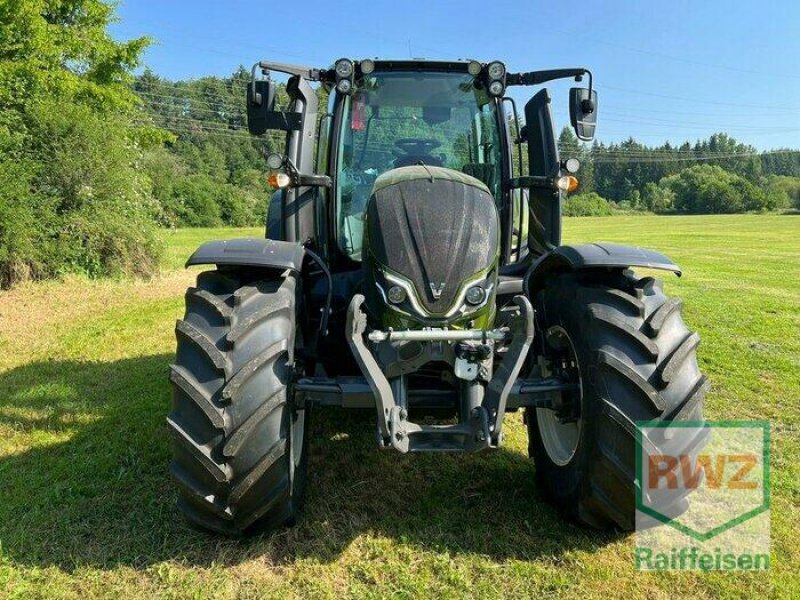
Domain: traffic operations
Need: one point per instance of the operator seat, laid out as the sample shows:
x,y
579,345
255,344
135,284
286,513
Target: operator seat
x,y
409,160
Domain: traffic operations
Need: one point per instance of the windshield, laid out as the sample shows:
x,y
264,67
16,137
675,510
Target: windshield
x,y
397,119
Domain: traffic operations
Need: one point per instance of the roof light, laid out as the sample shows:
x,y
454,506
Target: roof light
x,y
474,68
496,88
344,86
496,70
344,67
367,66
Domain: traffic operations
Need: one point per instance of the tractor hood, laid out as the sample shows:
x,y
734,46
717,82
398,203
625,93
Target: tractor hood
x,y
437,229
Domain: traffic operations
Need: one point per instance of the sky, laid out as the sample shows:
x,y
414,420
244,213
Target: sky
x,y
665,71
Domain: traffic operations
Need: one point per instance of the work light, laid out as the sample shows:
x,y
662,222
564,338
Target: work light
x,y
496,70
344,70
474,68
344,86
367,66
344,67
496,88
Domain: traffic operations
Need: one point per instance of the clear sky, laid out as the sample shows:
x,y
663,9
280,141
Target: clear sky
x,y
665,70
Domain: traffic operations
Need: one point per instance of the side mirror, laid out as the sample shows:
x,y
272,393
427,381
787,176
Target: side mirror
x,y
583,112
260,103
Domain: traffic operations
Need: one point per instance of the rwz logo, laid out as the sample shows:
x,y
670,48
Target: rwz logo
x,y
687,471
709,483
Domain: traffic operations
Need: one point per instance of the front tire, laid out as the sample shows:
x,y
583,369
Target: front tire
x,y
239,443
626,346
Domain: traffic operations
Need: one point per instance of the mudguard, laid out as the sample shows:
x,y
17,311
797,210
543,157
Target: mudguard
x,y
594,256
250,252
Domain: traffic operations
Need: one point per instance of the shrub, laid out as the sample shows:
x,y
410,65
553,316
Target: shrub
x,y
195,201
72,196
586,205
783,192
658,198
709,189
86,208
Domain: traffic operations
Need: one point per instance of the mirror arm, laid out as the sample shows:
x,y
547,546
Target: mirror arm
x,y
305,179
309,73
538,77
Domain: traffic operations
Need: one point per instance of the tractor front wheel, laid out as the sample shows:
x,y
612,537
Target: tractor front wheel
x,y
625,345
239,442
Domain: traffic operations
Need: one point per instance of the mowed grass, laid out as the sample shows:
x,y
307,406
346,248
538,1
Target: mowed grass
x,y
87,508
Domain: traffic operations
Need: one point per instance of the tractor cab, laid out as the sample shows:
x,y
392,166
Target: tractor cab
x,y
405,118
383,115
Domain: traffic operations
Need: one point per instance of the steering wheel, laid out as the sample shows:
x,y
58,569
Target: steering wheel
x,y
417,146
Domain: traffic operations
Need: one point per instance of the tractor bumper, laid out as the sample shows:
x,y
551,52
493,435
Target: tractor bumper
x,y
387,357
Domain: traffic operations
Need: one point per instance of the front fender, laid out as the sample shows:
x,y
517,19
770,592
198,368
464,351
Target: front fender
x,y
594,256
250,252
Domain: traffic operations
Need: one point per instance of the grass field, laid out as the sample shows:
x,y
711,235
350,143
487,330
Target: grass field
x,y
87,510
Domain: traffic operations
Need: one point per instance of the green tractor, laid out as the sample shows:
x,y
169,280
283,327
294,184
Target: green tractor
x,y
413,264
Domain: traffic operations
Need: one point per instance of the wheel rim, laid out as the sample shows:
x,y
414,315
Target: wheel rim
x,y
298,429
561,439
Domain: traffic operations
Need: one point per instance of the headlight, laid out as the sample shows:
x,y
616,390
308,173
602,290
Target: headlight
x,y
496,70
474,68
396,294
475,295
367,66
496,88
344,67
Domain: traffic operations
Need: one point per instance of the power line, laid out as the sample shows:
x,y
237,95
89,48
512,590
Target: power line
x,y
196,95
647,120
238,42
690,61
685,99
236,112
664,159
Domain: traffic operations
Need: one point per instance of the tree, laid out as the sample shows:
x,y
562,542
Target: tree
x,y
78,202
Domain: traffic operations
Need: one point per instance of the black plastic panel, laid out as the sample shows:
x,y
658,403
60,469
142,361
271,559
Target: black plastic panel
x,y
251,252
595,256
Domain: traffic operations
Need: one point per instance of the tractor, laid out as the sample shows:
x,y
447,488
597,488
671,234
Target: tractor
x,y
413,265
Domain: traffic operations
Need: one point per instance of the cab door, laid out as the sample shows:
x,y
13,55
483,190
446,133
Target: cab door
x,y
544,230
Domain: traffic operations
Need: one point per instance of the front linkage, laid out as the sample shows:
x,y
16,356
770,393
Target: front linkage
x,y
483,394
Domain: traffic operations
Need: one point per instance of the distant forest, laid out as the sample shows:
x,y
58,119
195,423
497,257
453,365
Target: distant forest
x,y
211,172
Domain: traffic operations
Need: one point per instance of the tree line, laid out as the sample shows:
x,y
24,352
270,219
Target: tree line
x,y
712,176
96,161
